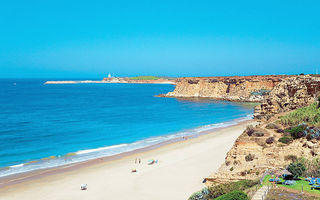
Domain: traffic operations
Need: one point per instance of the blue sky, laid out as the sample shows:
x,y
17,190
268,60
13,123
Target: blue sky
x,y
78,39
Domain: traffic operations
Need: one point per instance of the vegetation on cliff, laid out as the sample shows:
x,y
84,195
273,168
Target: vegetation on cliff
x,y
297,169
283,194
312,166
285,140
144,78
234,195
309,114
225,190
276,142
273,144
289,95
300,168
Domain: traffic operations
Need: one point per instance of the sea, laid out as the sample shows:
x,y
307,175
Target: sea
x,y
44,126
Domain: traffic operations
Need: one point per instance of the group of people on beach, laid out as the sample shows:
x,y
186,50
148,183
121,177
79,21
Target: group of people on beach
x,y
149,162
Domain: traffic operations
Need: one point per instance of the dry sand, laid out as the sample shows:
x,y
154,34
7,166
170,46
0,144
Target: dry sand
x,y
179,172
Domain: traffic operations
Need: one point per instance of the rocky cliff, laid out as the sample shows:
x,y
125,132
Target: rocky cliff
x,y
234,88
290,94
258,149
253,154
277,93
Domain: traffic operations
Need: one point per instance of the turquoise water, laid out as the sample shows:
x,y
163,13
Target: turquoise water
x,y
93,120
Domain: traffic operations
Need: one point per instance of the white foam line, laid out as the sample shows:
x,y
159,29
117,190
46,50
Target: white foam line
x,y
15,166
100,149
85,155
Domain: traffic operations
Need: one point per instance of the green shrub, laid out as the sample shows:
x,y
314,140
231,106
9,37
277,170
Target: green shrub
x,y
272,126
201,195
234,195
285,140
221,189
297,169
196,196
296,132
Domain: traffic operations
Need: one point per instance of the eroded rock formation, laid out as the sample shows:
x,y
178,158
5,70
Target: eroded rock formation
x,y
277,93
289,94
235,88
251,156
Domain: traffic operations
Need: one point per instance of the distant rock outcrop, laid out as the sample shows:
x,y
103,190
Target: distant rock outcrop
x,y
233,88
289,94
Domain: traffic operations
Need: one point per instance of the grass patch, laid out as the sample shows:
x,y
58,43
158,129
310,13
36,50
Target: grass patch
x,y
221,189
297,186
309,114
234,195
144,78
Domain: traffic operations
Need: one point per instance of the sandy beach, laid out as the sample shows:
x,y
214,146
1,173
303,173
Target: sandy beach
x,y
179,172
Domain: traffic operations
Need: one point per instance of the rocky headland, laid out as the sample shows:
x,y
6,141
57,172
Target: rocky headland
x,y
290,94
268,145
232,88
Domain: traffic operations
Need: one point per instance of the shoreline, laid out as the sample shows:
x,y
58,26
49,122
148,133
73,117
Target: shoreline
x,y
85,155
9,183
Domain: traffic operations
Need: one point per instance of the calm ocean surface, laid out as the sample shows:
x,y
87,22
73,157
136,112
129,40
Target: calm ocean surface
x,y
50,125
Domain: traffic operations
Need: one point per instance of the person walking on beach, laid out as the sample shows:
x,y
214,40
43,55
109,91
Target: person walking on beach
x,y
139,161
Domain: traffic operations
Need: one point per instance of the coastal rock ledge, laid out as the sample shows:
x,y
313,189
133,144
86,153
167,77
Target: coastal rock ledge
x,y
232,88
276,93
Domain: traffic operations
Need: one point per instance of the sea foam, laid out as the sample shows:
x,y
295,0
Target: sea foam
x,y
89,154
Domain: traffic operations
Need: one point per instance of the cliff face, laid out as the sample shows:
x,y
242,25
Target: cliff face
x,y
276,93
251,155
289,94
236,88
